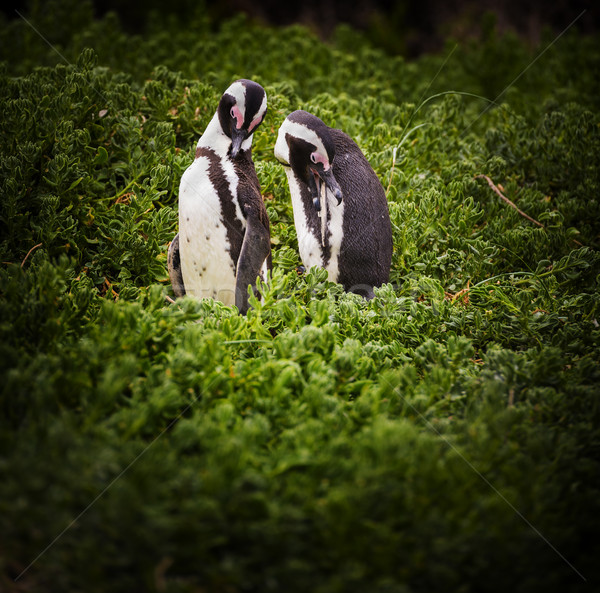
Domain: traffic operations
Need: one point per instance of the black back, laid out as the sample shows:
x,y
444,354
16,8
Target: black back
x,y
366,252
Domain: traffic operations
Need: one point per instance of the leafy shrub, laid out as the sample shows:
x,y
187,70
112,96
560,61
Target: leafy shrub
x,y
443,436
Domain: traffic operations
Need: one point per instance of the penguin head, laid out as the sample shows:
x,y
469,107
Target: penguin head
x,y
304,143
241,110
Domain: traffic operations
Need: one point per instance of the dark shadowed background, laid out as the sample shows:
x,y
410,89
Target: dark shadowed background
x,y
399,26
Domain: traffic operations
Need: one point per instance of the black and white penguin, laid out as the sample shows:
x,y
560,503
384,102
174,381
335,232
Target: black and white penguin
x,y
223,243
340,209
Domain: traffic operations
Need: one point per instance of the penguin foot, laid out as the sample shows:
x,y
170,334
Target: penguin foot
x,y
364,290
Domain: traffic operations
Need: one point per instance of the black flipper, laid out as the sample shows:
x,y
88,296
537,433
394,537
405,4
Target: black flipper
x,y
174,267
255,250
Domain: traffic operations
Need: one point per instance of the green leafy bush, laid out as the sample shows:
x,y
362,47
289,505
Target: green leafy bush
x,y
443,436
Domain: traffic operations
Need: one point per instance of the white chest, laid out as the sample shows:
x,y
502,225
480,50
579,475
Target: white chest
x,y
309,245
206,265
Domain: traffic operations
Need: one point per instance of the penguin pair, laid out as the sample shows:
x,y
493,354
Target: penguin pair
x,y
340,209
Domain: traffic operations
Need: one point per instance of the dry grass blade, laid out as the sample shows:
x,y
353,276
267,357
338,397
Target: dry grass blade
x,y
30,252
509,202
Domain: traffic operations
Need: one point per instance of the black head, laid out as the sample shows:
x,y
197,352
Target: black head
x,y
305,144
241,110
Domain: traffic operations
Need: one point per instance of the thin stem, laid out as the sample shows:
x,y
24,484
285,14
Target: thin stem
x,y
29,253
512,204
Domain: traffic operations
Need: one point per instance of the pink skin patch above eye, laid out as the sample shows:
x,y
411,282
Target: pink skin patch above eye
x,y
319,158
239,118
254,123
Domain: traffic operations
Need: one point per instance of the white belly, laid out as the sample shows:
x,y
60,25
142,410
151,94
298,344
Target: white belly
x,y
311,250
206,265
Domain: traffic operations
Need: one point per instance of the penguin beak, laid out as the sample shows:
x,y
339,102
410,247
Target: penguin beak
x,y
237,137
332,185
319,177
314,185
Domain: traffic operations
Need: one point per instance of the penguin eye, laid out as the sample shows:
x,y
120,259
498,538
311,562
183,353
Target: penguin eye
x,y
232,113
313,157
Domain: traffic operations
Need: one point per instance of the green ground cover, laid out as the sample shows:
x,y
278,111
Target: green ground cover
x,y
443,437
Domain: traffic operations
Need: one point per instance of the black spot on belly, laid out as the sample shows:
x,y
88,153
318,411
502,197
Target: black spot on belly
x,y
207,237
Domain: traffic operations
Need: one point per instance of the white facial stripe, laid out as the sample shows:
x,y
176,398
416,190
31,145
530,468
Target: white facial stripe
x,y
282,150
262,109
238,91
259,114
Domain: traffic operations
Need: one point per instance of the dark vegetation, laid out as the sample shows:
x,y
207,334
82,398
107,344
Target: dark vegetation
x,y
443,437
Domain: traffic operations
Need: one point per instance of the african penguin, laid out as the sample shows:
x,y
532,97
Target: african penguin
x,y
223,243
340,209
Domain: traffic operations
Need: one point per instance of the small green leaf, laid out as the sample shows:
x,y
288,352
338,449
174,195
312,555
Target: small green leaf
x,y
101,156
75,183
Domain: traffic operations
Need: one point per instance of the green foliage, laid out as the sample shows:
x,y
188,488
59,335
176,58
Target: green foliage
x,y
443,436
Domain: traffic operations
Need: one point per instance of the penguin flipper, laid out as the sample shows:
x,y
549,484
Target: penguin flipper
x,y
174,267
256,248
